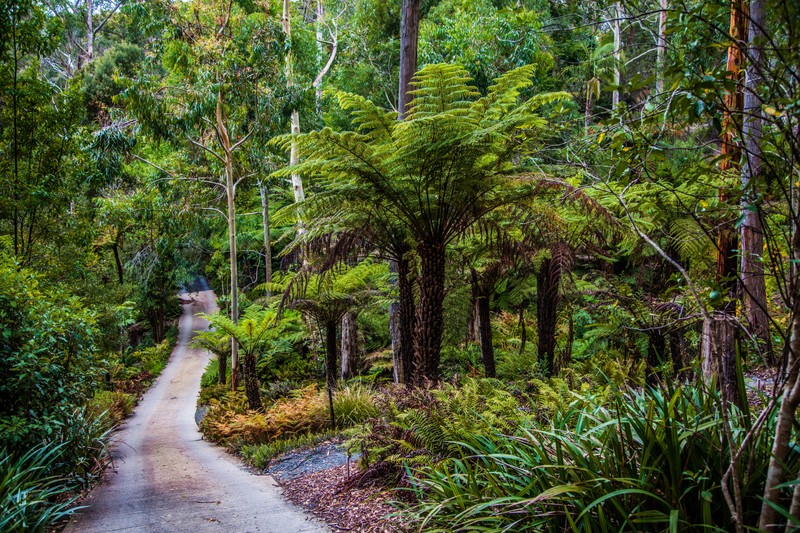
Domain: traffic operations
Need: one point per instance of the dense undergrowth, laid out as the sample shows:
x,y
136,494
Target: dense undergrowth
x,y
60,398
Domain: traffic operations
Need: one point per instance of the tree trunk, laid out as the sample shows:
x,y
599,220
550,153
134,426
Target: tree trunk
x,y
661,47
617,55
409,38
406,318
485,328
265,221
230,193
330,366
297,182
587,112
430,311
718,335
752,267
251,389
351,361
523,331
727,264
547,302
117,260
776,473
222,368
89,32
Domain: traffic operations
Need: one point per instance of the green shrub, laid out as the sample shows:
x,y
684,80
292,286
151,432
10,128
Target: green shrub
x,y
645,461
353,404
31,497
117,404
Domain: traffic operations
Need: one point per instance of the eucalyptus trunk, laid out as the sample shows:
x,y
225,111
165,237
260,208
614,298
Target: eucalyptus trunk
x,y
265,222
751,233
720,344
430,311
409,39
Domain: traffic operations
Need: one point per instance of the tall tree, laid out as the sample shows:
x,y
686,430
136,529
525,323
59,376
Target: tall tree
x,y
437,172
751,232
719,331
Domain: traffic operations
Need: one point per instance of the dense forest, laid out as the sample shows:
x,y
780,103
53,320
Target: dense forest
x,y
535,263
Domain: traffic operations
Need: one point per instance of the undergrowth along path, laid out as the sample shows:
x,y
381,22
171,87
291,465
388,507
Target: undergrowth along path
x,y
167,479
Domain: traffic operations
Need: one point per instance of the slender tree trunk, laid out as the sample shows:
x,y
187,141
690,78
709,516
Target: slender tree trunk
x,y
430,311
89,32
117,260
265,222
617,54
752,238
776,473
406,318
297,182
251,388
487,350
523,331
547,301
661,48
330,366
716,327
317,84
351,361
230,192
409,38
587,112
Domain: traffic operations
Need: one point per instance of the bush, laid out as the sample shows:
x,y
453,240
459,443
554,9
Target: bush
x,y
31,497
653,460
354,404
117,405
260,455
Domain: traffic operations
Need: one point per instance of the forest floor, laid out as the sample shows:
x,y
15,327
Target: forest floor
x,y
166,478
323,480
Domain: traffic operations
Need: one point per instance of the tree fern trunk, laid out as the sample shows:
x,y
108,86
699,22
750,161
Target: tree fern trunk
x,y
350,352
485,327
547,300
406,319
251,389
330,366
430,311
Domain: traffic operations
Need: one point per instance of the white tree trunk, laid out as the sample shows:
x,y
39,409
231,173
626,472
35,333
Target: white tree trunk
x,y
661,48
617,55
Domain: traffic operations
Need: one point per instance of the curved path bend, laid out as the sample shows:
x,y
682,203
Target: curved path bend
x,y
166,479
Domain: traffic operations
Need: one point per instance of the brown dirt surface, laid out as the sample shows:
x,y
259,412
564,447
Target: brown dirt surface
x,y
330,495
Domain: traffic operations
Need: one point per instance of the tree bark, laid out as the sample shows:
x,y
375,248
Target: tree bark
x,y
297,181
230,193
117,260
776,473
406,318
727,264
752,238
485,328
523,331
265,222
351,360
617,55
430,311
547,301
409,38
222,368
661,47
251,388
330,366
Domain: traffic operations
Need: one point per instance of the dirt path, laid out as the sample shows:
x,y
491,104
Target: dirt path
x,y
167,479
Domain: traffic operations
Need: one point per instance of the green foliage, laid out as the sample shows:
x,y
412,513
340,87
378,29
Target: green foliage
x,y
422,426
46,357
32,499
354,403
653,459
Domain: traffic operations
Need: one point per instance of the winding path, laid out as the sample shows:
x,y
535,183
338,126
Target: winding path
x,y
167,479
